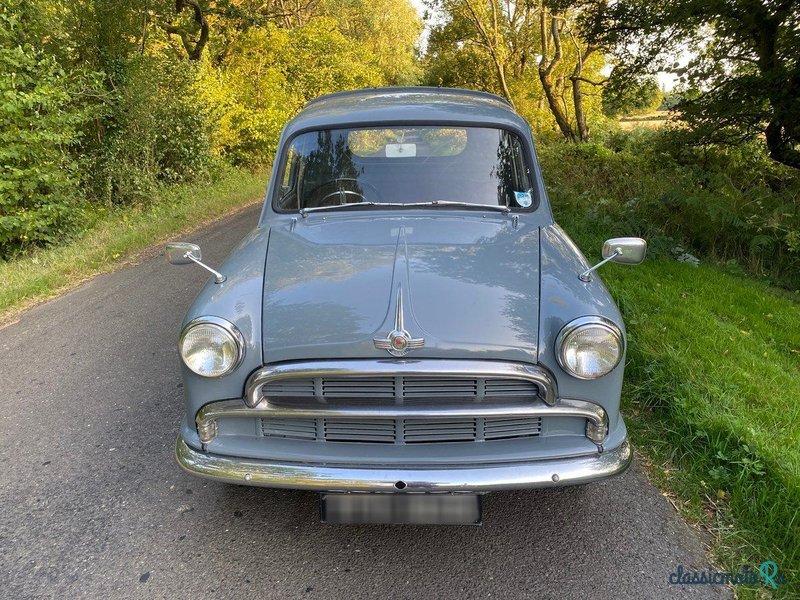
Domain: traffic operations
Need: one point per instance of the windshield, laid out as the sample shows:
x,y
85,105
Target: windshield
x,y
405,165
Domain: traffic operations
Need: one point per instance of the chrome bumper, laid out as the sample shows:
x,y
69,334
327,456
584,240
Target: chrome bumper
x,y
483,478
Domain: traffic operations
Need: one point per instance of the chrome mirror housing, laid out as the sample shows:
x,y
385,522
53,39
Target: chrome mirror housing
x,y
183,253
177,253
625,251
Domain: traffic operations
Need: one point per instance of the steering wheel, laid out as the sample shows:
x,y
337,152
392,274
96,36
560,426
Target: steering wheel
x,y
343,194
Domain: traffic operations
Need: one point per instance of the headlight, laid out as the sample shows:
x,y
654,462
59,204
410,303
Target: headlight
x,y
211,347
589,347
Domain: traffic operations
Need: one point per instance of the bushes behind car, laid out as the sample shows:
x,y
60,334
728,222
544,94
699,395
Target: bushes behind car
x,y
732,205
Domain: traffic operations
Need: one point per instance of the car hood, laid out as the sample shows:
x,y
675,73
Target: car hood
x,y
467,285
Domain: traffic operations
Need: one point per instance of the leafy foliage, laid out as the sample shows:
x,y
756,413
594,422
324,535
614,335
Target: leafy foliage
x,y
744,65
102,102
160,134
42,112
268,76
725,203
623,97
530,52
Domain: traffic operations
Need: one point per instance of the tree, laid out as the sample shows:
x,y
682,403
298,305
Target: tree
x,y
745,68
631,96
530,49
43,112
268,75
386,29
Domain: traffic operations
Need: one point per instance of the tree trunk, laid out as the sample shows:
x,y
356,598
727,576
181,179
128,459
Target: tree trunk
x,y
545,74
781,149
580,116
577,96
490,34
501,76
778,134
194,50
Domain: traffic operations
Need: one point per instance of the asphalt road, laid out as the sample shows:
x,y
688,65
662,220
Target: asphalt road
x,y
92,503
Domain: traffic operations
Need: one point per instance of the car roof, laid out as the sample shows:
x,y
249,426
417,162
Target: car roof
x,y
406,104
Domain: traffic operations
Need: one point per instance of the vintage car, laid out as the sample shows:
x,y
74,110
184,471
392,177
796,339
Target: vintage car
x,y
406,328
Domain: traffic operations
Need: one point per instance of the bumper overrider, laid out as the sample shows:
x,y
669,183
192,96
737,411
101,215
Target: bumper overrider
x,y
326,477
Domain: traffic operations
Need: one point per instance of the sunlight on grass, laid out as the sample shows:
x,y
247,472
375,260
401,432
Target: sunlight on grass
x,y
652,120
712,398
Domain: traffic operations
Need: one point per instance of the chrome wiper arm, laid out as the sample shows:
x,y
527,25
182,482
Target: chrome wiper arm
x,y
304,211
469,205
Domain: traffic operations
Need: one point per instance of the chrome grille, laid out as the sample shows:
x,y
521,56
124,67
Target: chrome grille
x,y
511,427
418,431
352,388
401,388
425,387
509,388
296,429
402,431
376,431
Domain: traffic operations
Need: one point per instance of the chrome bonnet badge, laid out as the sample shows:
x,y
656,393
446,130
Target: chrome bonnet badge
x,y
399,342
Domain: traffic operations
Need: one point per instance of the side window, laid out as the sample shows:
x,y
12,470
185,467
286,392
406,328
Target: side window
x,y
288,192
289,170
513,178
522,176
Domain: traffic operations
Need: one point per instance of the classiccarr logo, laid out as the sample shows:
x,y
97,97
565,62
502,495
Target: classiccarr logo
x,y
767,574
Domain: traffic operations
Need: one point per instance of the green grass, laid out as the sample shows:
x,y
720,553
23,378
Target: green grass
x,y
712,398
120,235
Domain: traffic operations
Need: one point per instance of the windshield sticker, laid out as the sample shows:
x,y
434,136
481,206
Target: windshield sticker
x,y
523,199
401,150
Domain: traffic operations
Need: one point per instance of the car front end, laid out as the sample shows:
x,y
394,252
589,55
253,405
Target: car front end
x,y
373,336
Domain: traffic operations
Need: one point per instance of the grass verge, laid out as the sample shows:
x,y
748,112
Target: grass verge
x,y
712,398
119,236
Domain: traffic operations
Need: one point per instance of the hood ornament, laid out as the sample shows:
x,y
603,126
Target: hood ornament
x,y
399,342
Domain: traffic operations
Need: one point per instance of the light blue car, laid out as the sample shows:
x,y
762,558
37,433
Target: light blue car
x,y
407,327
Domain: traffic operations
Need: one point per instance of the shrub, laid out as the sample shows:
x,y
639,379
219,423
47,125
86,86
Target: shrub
x,y
158,132
42,113
724,203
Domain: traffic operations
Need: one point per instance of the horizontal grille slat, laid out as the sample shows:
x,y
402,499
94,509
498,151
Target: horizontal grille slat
x,y
416,431
380,431
301,429
408,431
507,428
510,387
301,388
358,388
389,387
439,439
429,387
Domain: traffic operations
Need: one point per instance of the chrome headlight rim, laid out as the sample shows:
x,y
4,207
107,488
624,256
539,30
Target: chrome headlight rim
x,y
228,328
582,322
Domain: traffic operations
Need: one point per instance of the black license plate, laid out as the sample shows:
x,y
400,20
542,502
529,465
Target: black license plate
x,y
401,509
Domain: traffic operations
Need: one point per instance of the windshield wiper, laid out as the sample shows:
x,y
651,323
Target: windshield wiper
x,y
304,211
435,203
469,205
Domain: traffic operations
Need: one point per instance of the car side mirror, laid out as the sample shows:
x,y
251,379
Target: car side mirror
x,y
623,251
183,253
177,253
